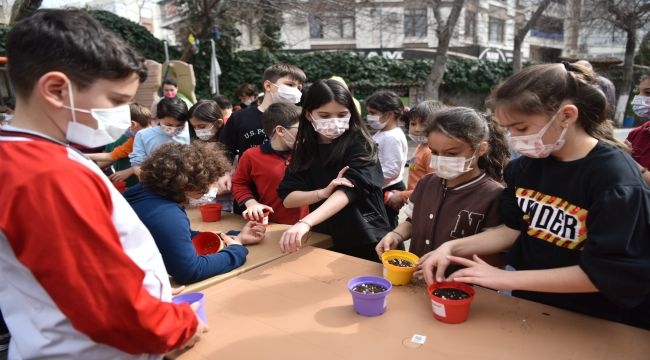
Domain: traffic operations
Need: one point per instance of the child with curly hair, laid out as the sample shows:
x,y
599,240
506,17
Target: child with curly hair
x,y
172,174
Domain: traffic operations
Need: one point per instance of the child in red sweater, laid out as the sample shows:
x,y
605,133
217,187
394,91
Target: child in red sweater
x,y
261,168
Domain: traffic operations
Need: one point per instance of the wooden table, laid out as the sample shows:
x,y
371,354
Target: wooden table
x,y
298,307
258,254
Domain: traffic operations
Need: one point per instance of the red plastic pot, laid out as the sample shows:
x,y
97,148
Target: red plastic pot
x,y
207,243
450,311
210,212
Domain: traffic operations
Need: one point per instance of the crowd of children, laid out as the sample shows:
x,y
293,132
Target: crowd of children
x,y
570,216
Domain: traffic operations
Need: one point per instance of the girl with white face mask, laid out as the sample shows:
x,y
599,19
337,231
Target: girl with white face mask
x,y
385,109
460,198
576,211
205,119
335,171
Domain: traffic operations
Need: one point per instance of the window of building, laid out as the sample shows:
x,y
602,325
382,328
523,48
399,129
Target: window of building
x,y
331,26
315,27
415,23
496,30
549,28
470,24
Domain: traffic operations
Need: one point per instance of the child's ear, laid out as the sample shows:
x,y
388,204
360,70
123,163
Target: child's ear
x,y
53,88
135,125
569,115
219,123
267,86
482,148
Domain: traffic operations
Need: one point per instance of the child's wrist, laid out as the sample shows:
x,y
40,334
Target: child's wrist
x,y
301,221
401,237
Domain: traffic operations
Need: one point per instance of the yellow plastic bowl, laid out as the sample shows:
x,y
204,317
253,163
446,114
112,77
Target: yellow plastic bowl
x,y
398,275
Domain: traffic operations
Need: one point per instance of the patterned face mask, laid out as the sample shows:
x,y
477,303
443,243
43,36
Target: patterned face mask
x,y
172,130
419,139
331,128
375,122
533,145
641,106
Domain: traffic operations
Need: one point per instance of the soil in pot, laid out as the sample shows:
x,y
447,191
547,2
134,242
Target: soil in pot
x,y
369,288
400,262
450,294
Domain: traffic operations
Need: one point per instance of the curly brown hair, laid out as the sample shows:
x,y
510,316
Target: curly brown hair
x,y
174,169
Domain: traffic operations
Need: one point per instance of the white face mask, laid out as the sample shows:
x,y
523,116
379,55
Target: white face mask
x,y
641,106
204,134
111,124
172,130
420,139
449,167
287,94
375,123
207,198
331,128
533,145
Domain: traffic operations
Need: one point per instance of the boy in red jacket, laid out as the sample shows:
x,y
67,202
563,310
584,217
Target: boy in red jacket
x,y
261,169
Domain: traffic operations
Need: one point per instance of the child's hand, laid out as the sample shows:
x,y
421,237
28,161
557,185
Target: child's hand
x,y
121,175
200,329
395,201
291,240
388,242
436,260
256,212
230,240
252,233
338,181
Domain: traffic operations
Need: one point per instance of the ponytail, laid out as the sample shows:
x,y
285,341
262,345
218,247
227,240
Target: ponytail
x,y
495,159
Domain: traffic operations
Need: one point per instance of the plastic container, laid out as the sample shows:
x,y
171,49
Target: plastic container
x,y
451,311
371,304
207,243
265,218
210,212
628,121
191,298
399,275
120,185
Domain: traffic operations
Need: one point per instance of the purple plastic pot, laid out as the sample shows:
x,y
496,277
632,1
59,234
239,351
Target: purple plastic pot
x,y
372,304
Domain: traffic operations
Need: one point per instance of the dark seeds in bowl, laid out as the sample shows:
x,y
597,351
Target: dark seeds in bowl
x,y
450,294
369,288
400,262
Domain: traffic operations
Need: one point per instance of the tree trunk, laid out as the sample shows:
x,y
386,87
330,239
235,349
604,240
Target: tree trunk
x,y
445,31
516,54
521,34
628,74
23,8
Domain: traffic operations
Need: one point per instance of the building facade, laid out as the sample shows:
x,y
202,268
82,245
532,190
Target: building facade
x,y
407,28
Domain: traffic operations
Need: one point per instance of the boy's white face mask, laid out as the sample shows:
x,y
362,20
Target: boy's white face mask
x,y
111,124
